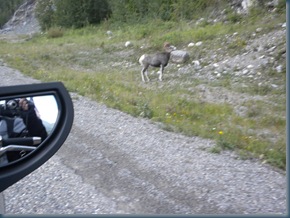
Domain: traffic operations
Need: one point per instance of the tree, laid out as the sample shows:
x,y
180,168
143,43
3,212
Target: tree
x,y
7,9
71,13
44,12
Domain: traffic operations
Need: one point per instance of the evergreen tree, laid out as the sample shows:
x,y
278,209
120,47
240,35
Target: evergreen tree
x,y
142,10
45,13
7,9
71,13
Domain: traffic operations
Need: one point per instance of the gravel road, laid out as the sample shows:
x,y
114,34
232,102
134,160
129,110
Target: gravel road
x,y
113,163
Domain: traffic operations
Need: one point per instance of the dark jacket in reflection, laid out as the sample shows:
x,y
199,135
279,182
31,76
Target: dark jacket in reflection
x,y
33,126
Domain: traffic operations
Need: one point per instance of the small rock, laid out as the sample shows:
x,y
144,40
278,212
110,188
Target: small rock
x,y
128,43
264,62
271,49
282,51
191,44
259,29
198,43
250,66
215,65
200,20
284,25
245,71
109,33
272,60
196,63
279,68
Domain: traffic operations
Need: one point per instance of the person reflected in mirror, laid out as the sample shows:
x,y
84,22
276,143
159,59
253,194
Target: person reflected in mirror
x,y
19,118
32,119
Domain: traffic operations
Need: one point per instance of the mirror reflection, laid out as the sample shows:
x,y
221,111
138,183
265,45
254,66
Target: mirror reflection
x,y
25,122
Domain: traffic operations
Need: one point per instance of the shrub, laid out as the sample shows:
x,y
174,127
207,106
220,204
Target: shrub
x,y
55,32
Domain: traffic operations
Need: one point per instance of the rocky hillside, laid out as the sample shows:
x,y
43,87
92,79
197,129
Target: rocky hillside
x,y
23,21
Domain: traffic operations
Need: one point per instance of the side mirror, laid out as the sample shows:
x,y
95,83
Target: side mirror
x,y
54,108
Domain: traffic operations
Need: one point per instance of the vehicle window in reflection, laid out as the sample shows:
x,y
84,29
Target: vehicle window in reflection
x,y
24,124
47,109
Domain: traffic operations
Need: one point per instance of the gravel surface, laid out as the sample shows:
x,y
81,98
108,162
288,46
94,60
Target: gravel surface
x,y
113,163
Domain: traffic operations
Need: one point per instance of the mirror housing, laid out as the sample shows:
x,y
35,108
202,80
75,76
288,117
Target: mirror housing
x,y
12,173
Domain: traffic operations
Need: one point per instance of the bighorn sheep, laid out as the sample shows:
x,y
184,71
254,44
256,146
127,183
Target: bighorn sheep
x,y
156,60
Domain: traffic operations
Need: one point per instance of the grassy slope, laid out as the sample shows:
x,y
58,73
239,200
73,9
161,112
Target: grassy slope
x,y
90,63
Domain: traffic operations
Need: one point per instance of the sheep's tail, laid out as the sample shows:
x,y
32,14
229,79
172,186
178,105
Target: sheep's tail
x,y
142,58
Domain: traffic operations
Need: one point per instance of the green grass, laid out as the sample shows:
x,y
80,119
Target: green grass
x,y
85,61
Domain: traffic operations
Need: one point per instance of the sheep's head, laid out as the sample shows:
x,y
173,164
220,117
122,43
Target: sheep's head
x,y
168,47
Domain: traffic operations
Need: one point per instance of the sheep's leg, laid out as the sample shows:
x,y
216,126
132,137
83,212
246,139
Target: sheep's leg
x,y
144,71
142,75
146,74
161,72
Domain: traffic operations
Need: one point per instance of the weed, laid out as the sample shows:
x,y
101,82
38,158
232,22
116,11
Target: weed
x,y
234,17
145,111
215,149
55,32
237,44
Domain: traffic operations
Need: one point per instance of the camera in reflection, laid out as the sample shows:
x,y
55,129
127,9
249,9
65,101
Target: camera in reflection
x,y
10,108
